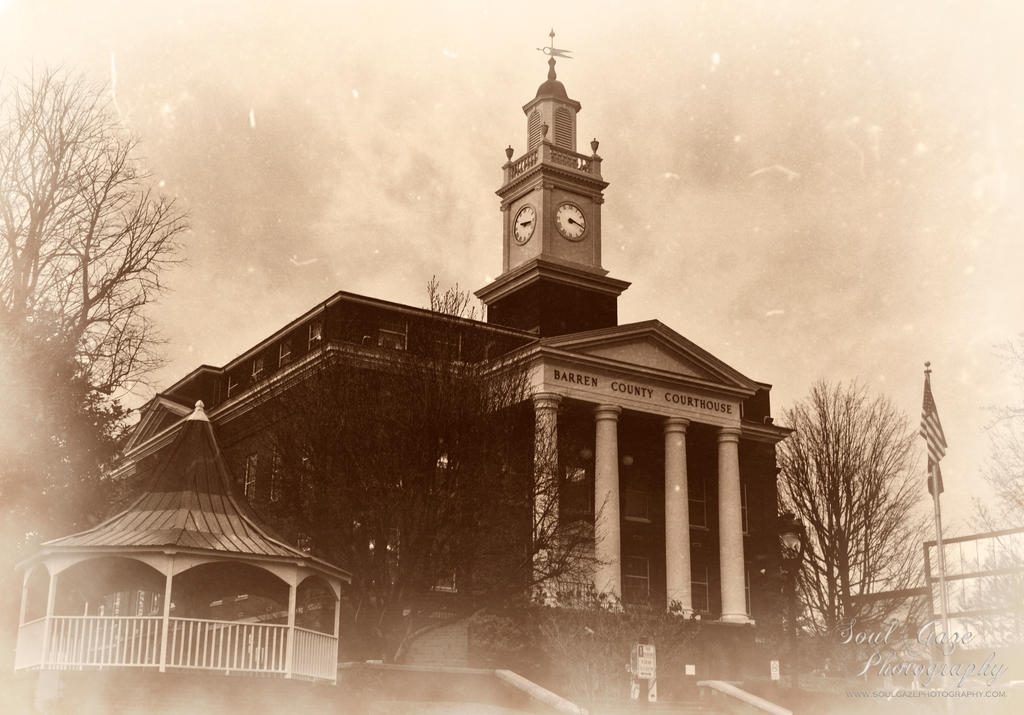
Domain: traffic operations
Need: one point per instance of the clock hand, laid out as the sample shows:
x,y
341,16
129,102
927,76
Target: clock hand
x,y
571,220
526,223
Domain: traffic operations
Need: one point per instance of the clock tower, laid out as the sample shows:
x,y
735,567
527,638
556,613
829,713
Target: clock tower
x,y
552,281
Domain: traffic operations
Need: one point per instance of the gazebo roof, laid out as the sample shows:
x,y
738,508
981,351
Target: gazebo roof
x,y
191,503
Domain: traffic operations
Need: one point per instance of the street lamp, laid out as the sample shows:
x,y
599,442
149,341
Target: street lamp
x,y
792,537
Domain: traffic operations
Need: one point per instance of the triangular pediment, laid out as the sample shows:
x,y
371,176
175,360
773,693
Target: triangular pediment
x,y
160,414
648,352
651,345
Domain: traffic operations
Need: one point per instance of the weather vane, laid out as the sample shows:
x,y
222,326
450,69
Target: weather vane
x,y
552,51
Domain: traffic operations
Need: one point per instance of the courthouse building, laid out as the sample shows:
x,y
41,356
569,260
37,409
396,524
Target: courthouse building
x,y
676,449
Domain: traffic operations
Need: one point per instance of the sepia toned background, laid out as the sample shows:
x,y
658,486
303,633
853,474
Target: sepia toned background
x,y
806,189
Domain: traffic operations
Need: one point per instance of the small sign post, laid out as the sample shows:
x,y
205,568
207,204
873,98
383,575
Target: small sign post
x,y
644,666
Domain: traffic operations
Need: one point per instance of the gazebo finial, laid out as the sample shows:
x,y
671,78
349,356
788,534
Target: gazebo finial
x,y
199,413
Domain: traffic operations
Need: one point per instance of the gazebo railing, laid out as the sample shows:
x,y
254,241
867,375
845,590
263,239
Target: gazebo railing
x,y
103,641
228,645
86,642
315,655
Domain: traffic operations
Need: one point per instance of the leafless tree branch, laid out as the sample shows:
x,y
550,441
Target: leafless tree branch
x,y
82,237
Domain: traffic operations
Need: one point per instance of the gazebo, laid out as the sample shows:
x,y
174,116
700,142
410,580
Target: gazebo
x,y
185,578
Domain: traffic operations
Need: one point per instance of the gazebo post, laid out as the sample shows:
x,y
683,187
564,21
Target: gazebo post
x,y
337,626
51,598
337,614
165,622
290,647
24,597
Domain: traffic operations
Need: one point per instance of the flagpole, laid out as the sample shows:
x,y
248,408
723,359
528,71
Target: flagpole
x,y
944,604
933,476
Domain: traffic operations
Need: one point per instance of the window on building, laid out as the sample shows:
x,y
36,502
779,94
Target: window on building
x,y
249,476
284,352
563,128
316,333
305,542
698,500
743,509
575,475
257,368
275,477
699,588
636,579
446,584
533,130
746,585
637,506
392,334
306,478
232,385
394,542
576,496
448,345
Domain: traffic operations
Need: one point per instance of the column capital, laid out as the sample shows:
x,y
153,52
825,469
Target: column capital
x,y
676,424
607,412
546,400
729,434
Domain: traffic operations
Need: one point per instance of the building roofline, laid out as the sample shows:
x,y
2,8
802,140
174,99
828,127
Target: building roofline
x,y
181,381
338,297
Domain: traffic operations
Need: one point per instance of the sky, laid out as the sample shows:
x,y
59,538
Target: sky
x,y
809,190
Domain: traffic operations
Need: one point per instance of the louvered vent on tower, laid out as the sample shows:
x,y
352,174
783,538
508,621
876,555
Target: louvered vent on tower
x,y
563,129
533,130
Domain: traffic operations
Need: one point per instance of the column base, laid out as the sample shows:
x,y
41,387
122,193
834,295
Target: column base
x,y
740,619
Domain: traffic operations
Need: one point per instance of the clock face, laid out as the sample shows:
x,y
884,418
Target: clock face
x,y
524,224
571,222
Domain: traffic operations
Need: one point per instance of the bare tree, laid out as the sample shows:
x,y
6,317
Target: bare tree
x,y
452,301
82,236
849,472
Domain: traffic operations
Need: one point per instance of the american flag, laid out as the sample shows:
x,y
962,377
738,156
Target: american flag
x,y
931,430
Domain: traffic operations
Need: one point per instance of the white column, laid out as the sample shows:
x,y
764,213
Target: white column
x,y
337,634
337,615
51,599
545,464
24,596
165,621
677,517
289,650
730,528
607,526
